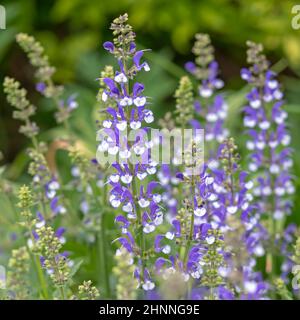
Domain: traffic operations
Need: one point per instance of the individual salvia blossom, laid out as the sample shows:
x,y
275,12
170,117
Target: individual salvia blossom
x,y
210,105
141,211
16,96
44,73
268,143
124,270
18,274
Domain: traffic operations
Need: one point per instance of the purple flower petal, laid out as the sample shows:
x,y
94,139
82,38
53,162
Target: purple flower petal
x,y
109,46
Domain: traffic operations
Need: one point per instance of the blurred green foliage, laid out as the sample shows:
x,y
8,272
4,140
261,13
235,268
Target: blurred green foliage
x,y
72,32
78,26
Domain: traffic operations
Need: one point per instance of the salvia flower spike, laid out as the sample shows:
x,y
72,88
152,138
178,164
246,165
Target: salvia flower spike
x,y
127,109
268,142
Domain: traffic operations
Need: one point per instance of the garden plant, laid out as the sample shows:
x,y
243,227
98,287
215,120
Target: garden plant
x,y
173,206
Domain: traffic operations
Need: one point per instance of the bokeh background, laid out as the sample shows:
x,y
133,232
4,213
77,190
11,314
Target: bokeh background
x,y
72,32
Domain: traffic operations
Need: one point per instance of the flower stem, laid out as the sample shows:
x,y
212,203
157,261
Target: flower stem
x,y
103,257
62,293
191,233
41,277
39,271
104,272
140,218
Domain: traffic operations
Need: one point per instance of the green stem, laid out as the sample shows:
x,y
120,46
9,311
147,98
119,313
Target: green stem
x,y
40,273
211,294
105,257
139,217
190,237
62,293
101,241
41,277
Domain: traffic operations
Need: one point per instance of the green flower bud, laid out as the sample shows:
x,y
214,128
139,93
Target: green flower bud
x,y
17,276
184,101
16,97
124,269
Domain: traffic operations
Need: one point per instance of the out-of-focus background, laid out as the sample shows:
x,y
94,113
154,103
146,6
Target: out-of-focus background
x,y
72,32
